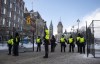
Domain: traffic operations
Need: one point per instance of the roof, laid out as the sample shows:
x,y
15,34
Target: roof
x,y
60,24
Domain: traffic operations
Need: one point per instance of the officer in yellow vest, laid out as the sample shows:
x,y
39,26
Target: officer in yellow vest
x,y
16,44
46,43
82,44
71,44
62,41
77,42
38,42
10,44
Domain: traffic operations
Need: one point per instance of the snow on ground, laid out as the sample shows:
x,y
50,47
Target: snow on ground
x,y
3,46
28,45
97,46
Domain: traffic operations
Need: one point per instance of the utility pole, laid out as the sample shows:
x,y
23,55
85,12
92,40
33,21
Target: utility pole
x,y
78,25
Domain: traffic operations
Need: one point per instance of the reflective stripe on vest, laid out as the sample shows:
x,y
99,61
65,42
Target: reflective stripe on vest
x,y
47,37
47,32
16,39
62,39
38,40
78,38
82,40
70,40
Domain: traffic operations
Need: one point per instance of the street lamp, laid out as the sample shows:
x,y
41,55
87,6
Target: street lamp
x,y
78,24
44,26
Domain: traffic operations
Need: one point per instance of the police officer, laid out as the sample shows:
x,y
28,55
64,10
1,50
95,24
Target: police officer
x,y
16,44
71,44
82,44
10,44
53,44
77,42
38,42
46,42
62,41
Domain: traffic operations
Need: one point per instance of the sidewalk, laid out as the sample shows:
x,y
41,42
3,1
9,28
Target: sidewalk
x,y
54,58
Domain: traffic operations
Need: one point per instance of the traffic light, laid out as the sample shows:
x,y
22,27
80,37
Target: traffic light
x,y
28,20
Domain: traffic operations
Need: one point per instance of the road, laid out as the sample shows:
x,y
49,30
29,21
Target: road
x,y
54,58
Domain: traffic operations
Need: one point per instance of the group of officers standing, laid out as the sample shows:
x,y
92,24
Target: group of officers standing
x,y
13,44
80,42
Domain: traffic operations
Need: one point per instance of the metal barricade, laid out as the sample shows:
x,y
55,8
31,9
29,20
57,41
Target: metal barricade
x,y
93,37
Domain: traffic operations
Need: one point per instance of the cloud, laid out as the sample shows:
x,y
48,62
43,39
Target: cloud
x,y
95,15
92,16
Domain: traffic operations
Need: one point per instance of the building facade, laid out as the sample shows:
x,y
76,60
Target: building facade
x,y
36,26
11,16
59,30
0,12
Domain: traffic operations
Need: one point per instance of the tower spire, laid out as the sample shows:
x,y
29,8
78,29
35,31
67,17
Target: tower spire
x,y
60,18
32,5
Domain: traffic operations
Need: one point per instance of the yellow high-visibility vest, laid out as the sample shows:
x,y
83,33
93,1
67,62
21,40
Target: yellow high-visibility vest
x,y
62,39
47,37
78,38
38,40
10,41
70,40
47,32
82,40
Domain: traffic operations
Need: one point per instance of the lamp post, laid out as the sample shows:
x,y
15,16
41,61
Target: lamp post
x,y
44,26
78,25
34,28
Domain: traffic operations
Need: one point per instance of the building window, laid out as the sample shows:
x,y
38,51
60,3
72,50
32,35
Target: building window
x,y
22,15
14,17
4,12
19,11
15,8
5,1
3,21
14,24
9,23
18,19
10,5
9,14
18,26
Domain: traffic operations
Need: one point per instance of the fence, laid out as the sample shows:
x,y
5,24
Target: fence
x,y
93,38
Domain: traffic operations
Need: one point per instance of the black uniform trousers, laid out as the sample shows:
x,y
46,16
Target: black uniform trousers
x,y
38,47
15,50
78,47
82,48
53,47
71,47
9,48
63,46
46,48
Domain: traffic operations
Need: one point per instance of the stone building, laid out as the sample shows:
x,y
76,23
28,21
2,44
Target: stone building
x,y
37,24
59,30
11,17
